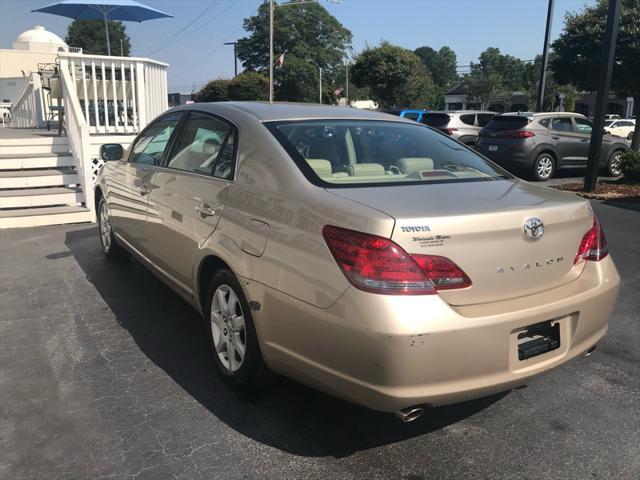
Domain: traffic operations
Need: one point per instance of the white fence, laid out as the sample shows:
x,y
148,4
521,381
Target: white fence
x,y
28,108
116,94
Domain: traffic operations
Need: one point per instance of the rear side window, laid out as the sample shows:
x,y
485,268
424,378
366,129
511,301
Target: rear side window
x,y
545,122
205,146
583,126
468,119
507,122
485,118
562,124
435,119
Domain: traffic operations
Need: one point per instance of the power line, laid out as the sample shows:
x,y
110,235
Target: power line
x,y
211,52
191,32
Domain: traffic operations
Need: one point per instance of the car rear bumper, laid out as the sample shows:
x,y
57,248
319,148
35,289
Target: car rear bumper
x,y
507,158
392,352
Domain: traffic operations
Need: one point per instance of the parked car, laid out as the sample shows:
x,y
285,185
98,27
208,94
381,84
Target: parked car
x,y
463,125
538,144
411,114
365,255
620,128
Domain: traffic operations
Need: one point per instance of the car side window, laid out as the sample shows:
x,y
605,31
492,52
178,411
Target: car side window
x,y
583,126
625,124
545,122
484,118
562,124
468,119
205,146
149,147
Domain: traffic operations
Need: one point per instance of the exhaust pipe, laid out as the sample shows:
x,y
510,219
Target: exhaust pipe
x,y
590,351
409,414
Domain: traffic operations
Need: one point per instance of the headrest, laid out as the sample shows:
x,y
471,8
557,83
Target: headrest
x,y
320,166
415,164
366,169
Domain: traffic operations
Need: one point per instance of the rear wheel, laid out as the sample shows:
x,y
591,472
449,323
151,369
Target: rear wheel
x,y
544,167
232,333
110,247
614,166
630,136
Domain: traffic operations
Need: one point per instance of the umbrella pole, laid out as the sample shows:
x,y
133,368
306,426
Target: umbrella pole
x,y
106,31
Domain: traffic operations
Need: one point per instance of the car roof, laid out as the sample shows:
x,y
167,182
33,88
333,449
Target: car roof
x,y
267,112
472,111
544,114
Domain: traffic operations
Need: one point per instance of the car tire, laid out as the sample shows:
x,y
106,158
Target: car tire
x,y
614,164
630,136
544,167
231,330
110,246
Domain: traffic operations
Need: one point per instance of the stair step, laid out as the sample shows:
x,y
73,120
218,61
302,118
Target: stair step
x,y
36,217
40,197
53,177
35,160
34,144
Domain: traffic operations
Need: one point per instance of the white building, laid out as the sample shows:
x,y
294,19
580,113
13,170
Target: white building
x,y
30,48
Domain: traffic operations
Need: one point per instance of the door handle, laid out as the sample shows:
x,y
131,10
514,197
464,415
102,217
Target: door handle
x,y
555,138
205,210
145,189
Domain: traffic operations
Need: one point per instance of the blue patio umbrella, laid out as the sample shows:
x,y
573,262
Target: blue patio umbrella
x,y
125,10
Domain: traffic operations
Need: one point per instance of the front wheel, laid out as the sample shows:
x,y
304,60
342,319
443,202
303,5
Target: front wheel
x,y
110,247
614,166
544,167
232,333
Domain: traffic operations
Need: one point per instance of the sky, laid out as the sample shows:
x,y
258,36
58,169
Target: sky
x,y
196,53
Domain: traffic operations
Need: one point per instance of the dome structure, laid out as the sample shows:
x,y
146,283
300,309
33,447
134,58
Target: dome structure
x,y
39,39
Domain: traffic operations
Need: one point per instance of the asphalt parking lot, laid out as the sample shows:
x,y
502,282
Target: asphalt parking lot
x,y
104,373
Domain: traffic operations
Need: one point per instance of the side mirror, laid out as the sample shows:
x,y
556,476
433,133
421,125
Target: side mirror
x,y
111,151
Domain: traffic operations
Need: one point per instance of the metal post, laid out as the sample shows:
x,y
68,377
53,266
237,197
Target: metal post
x,y
235,57
106,31
320,88
271,9
121,49
604,83
347,83
545,60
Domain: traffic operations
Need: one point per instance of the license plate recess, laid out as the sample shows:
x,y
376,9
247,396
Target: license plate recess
x,y
537,339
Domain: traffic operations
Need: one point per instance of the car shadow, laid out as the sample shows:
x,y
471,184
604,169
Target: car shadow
x,y
630,203
286,415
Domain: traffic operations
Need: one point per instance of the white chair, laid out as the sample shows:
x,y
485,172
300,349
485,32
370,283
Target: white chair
x,y
5,116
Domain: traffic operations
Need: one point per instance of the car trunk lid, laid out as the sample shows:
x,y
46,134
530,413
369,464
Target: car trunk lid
x,y
480,227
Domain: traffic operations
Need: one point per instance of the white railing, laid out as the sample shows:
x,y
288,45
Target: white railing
x,y
116,94
28,109
78,138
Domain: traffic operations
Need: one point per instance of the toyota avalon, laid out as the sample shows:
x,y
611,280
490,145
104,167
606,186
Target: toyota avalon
x,y
368,256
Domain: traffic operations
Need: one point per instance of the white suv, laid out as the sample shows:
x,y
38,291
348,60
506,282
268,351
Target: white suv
x,y
463,125
620,128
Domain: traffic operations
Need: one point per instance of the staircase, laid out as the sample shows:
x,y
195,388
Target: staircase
x,y
39,184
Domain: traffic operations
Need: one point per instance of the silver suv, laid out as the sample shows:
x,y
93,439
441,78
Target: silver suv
x,y
463,125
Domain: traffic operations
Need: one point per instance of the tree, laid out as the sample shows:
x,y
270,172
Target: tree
x,y
441,65
91,37
578,51
214,91
395,76
303,32
249,86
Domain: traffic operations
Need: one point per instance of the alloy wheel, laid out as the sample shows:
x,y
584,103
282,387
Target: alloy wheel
x,y
105,227
615,165
544,168
228,328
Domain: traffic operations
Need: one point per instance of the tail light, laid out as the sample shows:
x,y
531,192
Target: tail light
x,y
378,265
449,131
593,245
520,134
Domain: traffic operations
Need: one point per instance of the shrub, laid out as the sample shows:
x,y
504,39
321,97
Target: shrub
x,y
630,164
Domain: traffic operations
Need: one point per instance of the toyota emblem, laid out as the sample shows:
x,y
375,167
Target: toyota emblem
x,y
533,228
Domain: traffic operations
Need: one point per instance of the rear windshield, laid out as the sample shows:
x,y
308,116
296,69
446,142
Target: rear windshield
x,y
335,153
508,122
435,119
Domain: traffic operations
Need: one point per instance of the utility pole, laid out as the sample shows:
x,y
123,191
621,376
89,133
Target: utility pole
x,y
235,57
320,80
271,10
545,60
347,81
604,84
